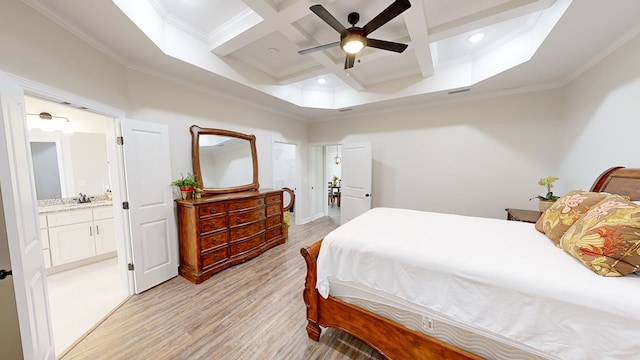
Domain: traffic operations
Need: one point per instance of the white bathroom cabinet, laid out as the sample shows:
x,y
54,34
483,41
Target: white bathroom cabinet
x,y
77,235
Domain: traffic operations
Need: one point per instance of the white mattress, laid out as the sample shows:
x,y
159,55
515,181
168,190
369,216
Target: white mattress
x,y
498,278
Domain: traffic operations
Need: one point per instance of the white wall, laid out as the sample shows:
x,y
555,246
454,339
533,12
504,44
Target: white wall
x,y
480,157
602,118
36,49
162,101
474,158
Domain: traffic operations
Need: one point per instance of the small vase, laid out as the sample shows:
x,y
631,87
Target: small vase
x,y
186,192
543,205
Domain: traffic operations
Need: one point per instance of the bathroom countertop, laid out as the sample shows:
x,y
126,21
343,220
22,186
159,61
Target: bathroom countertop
x,y
50,208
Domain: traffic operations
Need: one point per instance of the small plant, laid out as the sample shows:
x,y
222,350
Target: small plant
x,y
547,181
286,219
334,180
186,182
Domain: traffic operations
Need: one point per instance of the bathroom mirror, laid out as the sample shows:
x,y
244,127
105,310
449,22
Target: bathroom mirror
x,y
224,161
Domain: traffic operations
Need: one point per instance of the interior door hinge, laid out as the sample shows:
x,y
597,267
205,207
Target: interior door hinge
x,y
120,140
130,266
125,205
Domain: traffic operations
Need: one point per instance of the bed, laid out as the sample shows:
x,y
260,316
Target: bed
x,y
388,279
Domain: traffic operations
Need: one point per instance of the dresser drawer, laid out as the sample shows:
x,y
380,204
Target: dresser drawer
x,y
270,199
214,257
274,209
273,221
246,245
243,217
208,242
245,204
211,209
274,232
244,231
211,224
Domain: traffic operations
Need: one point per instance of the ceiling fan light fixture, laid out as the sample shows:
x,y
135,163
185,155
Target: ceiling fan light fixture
x,y
353,42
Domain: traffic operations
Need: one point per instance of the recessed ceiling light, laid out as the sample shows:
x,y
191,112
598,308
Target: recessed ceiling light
x,y
475,37
273,51
321,81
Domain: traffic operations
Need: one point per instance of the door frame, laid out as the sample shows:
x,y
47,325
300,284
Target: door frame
x,y
117,174
299,199
319,168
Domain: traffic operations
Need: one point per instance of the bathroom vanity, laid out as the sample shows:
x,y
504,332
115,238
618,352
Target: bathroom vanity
x,y
76,234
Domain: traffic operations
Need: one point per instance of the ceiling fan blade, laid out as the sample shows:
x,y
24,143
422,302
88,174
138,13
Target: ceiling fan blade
x,y
327,17
395,9
318,48
349,61
386,45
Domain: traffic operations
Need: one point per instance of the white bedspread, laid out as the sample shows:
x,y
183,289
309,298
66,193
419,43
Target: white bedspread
x,y
500,278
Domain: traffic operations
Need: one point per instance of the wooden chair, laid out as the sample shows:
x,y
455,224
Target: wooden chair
x,y
333,195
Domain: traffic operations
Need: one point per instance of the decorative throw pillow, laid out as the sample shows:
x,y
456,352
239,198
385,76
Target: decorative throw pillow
x,y
607,238
566,211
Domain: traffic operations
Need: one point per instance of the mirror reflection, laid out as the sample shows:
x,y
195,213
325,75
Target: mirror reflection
x,y
227,160
65,165
68,148
224,161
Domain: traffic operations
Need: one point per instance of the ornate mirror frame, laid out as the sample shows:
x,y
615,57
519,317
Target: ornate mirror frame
x,y
196,132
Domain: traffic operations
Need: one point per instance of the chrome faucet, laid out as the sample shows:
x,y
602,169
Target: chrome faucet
x,y
83,199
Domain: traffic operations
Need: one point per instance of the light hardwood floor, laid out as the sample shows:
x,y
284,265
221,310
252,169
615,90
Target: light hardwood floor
x,y
250,311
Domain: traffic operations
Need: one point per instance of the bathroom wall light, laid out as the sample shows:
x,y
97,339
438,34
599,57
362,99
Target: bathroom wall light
x,y
50,123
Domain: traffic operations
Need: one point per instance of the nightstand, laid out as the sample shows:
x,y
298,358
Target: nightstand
x,y
529,216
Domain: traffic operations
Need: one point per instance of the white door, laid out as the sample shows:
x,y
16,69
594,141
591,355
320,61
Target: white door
x,y
154,242
357,167
22,228
9,326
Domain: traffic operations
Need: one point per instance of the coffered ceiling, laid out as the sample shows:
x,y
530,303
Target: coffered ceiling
x,y
248,49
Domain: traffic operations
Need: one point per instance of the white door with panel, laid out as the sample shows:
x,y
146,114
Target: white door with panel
x,y
357,172
150,197
22,227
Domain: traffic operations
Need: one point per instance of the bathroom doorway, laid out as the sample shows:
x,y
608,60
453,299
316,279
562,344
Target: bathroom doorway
x,y
83,279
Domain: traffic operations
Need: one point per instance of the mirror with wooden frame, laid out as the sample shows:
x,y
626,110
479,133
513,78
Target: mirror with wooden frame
x,y
288,198
224,161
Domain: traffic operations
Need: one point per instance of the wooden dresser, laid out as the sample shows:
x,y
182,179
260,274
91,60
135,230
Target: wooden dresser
x,y
219,231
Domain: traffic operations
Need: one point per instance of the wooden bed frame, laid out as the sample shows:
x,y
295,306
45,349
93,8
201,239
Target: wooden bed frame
x,y
391,339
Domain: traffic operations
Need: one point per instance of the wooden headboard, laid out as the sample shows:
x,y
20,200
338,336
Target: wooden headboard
x,y
619,180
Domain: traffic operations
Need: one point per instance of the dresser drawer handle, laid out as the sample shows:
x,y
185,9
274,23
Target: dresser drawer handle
x,y
238,219
238,248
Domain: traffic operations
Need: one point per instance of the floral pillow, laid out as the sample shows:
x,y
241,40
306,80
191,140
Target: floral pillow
x,y
607,238
566,211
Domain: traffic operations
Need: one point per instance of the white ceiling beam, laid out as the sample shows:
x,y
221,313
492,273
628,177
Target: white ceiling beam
x,y
419,34
283,21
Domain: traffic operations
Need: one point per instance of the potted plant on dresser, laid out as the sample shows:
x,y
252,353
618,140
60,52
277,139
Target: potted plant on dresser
x,y
186,184
545,201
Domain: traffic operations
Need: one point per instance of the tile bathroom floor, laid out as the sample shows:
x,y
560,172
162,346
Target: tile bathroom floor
x,y
80,298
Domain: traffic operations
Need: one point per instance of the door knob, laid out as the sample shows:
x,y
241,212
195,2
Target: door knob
x,y
4,273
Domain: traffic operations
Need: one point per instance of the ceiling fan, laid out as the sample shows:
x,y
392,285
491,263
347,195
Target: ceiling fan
x,y
354,39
